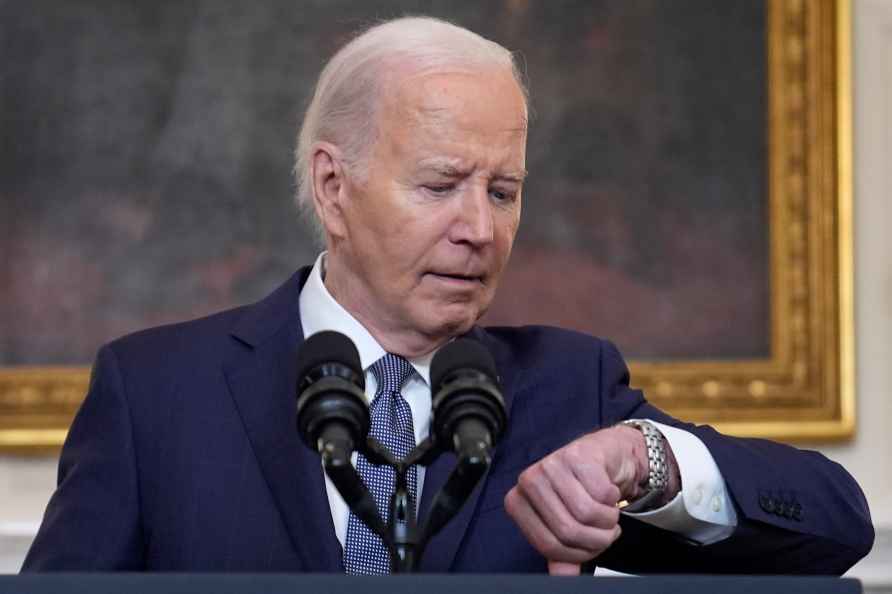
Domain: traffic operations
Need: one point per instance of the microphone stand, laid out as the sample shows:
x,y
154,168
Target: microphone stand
x,y
404,539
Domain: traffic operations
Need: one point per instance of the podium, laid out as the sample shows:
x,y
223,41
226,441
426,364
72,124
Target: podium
x,y
183,583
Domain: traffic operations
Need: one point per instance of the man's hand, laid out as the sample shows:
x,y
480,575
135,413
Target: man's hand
x,y
566,504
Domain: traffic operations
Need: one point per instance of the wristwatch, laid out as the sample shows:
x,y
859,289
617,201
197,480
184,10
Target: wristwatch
x,y
658,470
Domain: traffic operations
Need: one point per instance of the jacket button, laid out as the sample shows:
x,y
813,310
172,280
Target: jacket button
x,y
766,503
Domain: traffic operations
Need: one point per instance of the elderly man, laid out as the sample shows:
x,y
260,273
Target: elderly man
x,y
411,160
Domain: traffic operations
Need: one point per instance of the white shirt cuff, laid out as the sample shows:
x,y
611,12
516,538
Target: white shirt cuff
x,y
702,511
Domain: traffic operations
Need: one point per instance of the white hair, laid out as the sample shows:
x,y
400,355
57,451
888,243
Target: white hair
x,y
343,110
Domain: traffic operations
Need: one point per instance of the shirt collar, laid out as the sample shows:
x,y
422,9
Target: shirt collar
x,y
320,311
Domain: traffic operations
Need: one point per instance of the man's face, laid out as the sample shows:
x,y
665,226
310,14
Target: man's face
x,y
429,232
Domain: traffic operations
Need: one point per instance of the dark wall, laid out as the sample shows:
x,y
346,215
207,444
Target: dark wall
x,y
146,150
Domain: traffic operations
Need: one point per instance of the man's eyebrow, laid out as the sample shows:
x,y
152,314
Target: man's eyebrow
x,y
516,177
449,169
445,168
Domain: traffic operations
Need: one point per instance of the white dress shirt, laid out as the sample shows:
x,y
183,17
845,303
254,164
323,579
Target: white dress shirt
x,y
701,512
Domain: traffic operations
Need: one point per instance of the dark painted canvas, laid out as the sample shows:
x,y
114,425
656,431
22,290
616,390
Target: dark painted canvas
x,y
146,155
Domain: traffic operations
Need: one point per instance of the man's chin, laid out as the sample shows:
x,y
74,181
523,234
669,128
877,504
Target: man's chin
x,y
449,327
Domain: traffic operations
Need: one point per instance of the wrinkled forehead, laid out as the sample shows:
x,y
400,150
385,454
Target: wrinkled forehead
x,y
486,100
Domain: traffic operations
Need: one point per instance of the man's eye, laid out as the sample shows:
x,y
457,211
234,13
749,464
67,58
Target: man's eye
x,y
439,189
502,195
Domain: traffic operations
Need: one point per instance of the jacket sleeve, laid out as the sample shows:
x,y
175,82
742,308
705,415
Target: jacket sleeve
x,y
798,512
92,521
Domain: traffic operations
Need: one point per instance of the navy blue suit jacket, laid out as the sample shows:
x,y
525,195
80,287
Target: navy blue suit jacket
x,y
184,457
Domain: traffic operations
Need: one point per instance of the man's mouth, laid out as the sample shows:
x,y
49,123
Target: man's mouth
x,y
458,278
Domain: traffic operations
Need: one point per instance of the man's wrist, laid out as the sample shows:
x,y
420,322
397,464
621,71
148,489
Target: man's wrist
x,y
657,477
638,451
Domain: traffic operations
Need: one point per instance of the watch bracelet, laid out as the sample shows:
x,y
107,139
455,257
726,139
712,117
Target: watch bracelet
x,y
657,466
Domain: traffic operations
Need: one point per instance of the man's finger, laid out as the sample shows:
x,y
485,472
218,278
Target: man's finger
x,y
539,492
561,568
577,497
596,482
540,536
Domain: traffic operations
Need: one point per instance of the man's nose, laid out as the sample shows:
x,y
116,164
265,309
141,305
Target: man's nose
x,y
474,221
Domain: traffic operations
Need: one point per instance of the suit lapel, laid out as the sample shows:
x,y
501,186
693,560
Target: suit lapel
x,y
262,382
441,551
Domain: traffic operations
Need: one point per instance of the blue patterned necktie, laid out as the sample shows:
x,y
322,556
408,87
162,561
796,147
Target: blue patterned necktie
x,y
364,551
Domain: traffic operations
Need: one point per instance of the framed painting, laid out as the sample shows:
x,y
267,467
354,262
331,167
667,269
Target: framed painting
x,y
689,196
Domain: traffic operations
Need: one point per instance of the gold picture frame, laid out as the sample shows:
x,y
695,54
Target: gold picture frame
x,y
805,389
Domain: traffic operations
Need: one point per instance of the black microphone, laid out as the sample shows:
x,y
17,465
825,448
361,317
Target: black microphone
x,y
468,410
332,412
333,416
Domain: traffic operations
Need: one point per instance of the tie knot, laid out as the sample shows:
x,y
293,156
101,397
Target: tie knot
x,y
391,371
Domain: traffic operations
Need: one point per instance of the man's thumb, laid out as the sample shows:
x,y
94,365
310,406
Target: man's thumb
x,y
561,568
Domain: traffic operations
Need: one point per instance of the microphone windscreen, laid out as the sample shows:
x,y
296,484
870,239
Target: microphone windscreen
x,y
327,347
462,353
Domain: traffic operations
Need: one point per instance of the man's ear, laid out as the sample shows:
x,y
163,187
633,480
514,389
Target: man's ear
x,y
329,185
